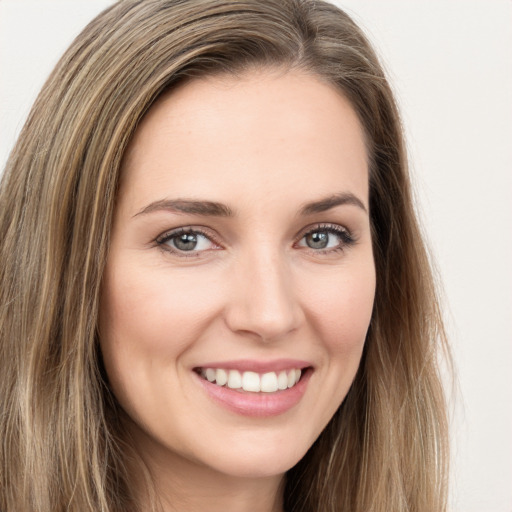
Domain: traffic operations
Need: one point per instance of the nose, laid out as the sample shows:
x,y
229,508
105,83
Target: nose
x,y
264,303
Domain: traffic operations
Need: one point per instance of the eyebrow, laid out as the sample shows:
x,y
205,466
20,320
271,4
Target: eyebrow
x,y
208,208
327,203
214,209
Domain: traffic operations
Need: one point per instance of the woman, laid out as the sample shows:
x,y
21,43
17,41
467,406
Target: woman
x,y
214,289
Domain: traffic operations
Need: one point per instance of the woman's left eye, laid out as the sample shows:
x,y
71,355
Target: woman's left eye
x,y
326,238
186,241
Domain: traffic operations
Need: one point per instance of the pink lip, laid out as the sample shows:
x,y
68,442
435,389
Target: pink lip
x,y
250,365
256,404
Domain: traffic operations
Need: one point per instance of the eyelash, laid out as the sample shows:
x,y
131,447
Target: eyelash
x,y
346,239
175,233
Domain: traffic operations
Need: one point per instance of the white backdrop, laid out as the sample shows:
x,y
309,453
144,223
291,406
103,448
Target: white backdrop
x,y
451,64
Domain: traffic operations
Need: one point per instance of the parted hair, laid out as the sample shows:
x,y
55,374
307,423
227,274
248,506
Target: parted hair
x,y
62,447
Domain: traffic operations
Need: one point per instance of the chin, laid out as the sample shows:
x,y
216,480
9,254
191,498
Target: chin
x,y
259,459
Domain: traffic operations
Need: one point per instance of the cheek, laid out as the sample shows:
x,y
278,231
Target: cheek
x,y
339,309
148,319
341,306
152,312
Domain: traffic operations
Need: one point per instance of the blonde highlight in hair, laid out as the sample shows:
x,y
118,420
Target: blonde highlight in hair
x,y
62,444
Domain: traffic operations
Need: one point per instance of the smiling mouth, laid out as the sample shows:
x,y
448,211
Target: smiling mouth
x,y
252,382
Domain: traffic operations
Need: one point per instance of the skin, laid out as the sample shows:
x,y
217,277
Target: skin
x,y
264,145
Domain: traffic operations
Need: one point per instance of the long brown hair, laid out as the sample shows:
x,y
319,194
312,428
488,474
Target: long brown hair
x,y
61,446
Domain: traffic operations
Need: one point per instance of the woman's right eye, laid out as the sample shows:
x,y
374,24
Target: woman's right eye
x,y
191,241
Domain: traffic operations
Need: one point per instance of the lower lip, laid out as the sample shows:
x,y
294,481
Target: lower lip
x,y
260,405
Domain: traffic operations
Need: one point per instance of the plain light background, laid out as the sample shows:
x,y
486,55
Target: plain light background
x,y
450,62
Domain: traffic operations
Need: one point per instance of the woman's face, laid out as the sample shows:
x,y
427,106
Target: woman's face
x,y
240,256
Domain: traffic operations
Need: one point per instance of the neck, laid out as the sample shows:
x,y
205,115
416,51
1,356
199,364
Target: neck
x,y
219,494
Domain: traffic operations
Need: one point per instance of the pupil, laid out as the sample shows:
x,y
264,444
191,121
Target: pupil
x,y
317,240
186,241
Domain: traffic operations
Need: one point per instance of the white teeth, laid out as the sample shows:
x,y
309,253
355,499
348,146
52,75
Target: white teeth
x,y
282,381
222,377
269,382
251,382
291,378
234,379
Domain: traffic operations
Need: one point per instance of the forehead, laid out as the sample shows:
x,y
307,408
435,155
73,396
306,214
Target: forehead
x,y
258,133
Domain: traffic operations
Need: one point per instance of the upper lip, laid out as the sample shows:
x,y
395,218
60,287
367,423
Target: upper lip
x,y
258,366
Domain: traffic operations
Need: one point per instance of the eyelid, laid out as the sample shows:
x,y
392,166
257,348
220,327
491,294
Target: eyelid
x,y
345,235
325,226
347,239
164,237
